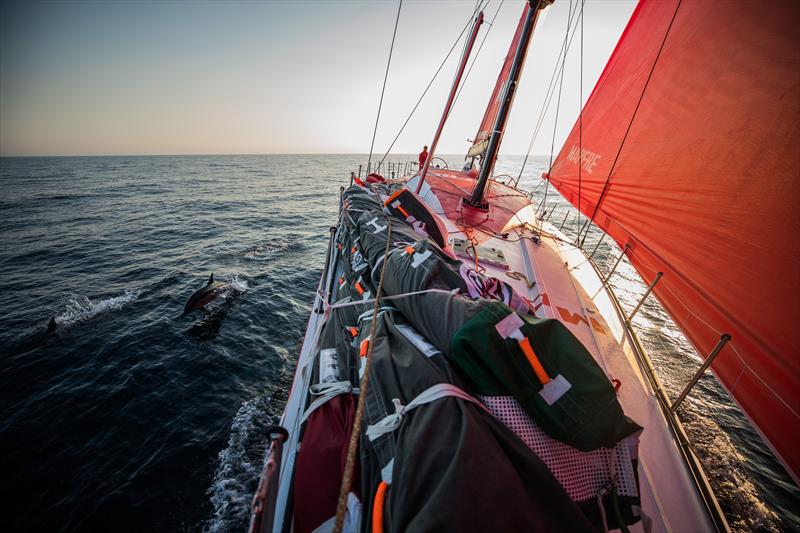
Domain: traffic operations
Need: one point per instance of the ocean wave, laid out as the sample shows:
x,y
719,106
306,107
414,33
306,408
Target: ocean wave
x,y
239,467
80,308
267,251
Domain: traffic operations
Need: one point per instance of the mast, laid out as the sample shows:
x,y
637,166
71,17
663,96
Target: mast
x,y
470,42
532,12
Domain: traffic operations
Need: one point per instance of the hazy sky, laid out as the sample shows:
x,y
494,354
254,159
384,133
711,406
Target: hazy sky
x,y
272,77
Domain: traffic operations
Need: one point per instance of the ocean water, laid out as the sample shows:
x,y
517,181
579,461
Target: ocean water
x,y
126,417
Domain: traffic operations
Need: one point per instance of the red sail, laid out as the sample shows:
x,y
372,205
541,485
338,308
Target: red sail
x,y
696,146
490,116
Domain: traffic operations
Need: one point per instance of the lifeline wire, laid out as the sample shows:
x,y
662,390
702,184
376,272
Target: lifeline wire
x,y
383,90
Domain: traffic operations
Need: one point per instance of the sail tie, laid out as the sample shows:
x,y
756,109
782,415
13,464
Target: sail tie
x,y
352,447
351,303
391,422
325,392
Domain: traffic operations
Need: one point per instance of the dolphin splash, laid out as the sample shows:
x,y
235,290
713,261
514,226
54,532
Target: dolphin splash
x,y
203,296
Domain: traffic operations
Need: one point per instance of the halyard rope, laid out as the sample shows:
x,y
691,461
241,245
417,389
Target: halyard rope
x,y
474,59
352,448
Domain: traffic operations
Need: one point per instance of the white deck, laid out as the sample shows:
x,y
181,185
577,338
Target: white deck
x,y
567,287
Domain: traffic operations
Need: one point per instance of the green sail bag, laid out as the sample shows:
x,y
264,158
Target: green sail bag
x,y
578,405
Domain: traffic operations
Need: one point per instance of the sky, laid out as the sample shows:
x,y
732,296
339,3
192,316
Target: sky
x,y
191,77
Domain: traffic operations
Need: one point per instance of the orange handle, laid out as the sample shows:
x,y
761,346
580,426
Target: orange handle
x,y
377,508
538,369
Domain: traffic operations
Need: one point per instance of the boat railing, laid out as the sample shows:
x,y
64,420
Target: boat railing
x,y
510,181
397,169
667,406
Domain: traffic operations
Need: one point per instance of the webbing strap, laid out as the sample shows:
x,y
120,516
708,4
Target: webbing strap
x,y
392,422
345,302
325,392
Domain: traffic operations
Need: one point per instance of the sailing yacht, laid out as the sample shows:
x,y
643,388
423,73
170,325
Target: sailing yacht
x,y
466,366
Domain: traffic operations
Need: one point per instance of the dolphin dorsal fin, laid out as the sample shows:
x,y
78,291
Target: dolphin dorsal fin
x,y
210,279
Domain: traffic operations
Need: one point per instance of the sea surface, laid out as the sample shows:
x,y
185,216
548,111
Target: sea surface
x,y
125,417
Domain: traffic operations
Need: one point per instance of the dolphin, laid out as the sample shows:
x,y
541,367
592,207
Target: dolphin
x,y
37,339
202,296
209,326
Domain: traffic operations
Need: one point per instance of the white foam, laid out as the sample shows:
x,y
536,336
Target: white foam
x,y
267,251
238,470
80,308
238,284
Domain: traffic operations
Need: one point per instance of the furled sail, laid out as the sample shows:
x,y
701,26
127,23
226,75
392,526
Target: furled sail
x,y
687,153
493,108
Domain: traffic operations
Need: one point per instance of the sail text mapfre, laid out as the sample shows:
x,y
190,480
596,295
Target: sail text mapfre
x,y
585,158
696,115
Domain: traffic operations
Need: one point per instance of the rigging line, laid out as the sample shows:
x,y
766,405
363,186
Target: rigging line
x,y
548,98
558,106
630,123
414,109
474,59
383,90
463,51
580,127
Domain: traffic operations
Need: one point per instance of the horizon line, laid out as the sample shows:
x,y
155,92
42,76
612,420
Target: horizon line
x,y
6,156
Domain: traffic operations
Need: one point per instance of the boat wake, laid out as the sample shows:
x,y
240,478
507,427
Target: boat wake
x,y
737,494
80,308
238,467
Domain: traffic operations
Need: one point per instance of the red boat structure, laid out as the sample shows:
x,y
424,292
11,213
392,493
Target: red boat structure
x,y
467,366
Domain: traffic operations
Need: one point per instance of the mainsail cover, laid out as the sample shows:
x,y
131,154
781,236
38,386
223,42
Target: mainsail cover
x,y
493,108
688,154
